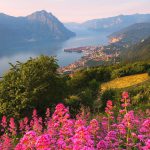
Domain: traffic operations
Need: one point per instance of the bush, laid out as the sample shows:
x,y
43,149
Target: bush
x,y
109,94
74,103
148,71
130,69
34,84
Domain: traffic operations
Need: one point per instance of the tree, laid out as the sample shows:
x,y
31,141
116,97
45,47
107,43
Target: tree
x,y
34,84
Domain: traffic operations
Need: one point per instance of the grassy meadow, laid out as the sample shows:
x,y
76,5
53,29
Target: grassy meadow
x,y
126,81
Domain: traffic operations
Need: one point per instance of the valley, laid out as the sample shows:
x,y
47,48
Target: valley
x,y
121,48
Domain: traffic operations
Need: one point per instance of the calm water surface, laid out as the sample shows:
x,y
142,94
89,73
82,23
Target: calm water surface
x,y
24,52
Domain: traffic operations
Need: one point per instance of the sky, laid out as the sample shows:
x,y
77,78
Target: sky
x,y
75,10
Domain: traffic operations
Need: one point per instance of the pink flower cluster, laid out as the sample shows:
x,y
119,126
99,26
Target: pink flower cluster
x,y
127,130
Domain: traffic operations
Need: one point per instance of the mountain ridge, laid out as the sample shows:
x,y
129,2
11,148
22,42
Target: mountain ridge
x,y
37,26
113,23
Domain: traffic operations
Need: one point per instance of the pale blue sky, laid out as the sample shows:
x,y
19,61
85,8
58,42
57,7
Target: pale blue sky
x,y
75,10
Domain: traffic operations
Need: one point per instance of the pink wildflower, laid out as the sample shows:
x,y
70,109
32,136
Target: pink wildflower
x,y
125,95
43,142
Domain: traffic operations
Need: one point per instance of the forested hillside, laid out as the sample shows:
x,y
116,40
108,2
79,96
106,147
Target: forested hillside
x,y
138,52
133,34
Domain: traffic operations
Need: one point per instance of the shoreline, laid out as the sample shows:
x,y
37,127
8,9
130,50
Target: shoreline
x,y
92,55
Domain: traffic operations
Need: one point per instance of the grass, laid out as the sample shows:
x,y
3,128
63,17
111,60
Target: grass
x,y
125,82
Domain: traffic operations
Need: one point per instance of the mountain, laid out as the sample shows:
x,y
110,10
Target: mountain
x,y
138,52
132,34
111,23
39,26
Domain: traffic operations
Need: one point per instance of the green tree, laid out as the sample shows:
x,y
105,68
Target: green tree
x,y
34,84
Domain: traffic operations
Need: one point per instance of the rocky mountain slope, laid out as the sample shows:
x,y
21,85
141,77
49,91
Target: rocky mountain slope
x,y
36,27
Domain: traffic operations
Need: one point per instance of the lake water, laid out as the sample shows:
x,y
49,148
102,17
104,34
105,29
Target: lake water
x,y
24,52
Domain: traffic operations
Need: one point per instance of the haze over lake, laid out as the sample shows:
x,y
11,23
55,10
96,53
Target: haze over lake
x,y
23,52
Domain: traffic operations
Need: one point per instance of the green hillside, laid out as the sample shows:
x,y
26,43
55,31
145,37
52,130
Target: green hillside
x,y
139,52
132,34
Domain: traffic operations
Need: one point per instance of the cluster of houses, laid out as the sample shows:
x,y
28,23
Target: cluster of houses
x,y
94,53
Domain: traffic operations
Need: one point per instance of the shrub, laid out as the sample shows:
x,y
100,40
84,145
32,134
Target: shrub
x,y
109,94
34,84
148,71
74,103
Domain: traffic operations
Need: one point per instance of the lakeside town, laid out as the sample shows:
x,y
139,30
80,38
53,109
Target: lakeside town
x,y
94,54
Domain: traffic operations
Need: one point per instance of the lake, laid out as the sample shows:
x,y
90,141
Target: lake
x,y
24,52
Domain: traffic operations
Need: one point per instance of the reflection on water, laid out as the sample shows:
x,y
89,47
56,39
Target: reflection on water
x,y
22,52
